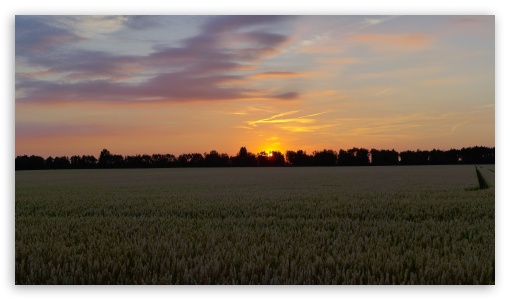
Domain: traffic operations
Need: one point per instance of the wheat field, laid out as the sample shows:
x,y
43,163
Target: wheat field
x,y
338,225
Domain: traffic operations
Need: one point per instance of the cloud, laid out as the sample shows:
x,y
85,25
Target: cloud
x,y
87,65
223,24
342,60
91,26
404,42
276,119
368,22
451,80
371,21
142,22
306,129
167,87
243,127
401,72
454,127
198,69
249,109
164,87
286,96
284,75
261,38
273,117
33,36
328,49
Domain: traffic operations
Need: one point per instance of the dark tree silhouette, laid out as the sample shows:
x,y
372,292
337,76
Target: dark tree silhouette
x,y
299,158
440,157
325,158
346,158
26,162
105,159
453,156
163,160
61,162
48,163
244,159
214,159
243,152
417,157
197,160
83,162
138,161
478,155
76,162
262,159
351,157
108,160
384,157
362,157
271,159
117,161
193,160
276,159
88,161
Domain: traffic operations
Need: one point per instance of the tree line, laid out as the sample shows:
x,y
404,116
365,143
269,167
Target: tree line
x,y
350,157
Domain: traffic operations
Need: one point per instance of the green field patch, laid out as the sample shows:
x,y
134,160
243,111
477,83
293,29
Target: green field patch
x,y
373,225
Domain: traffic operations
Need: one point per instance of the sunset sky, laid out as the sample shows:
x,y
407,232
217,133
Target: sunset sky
x,y
181,84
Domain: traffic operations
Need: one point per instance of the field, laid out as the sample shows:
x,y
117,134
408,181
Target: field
x,y
338,225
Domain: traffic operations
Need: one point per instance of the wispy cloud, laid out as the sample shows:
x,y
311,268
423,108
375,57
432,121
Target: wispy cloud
x,y
272,118
91,26
382,92
373,21
294,124
249,110
243,127
446,80
400,42
307,129
401,72
341,60
454,127
283,75
334,40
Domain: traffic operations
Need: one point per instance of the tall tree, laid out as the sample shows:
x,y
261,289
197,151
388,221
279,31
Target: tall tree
x,y
105,159
244,159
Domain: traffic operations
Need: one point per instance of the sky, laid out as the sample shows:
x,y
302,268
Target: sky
x,y
182,84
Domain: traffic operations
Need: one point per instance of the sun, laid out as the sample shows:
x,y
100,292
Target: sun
x,y
270,154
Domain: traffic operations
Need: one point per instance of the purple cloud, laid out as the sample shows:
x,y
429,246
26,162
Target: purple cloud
x,y
223,24
287,96
165,87
200,69
33,35
143,22
264,38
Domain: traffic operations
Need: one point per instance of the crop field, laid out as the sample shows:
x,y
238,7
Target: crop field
x,y
337,225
